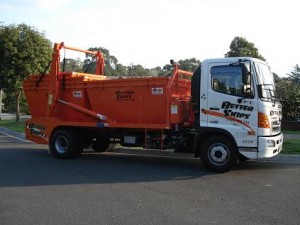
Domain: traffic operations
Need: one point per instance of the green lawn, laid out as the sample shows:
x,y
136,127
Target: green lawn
x,y
289,146
291,131
12,125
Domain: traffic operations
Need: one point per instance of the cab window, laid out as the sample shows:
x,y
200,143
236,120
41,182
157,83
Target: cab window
x,y
227,80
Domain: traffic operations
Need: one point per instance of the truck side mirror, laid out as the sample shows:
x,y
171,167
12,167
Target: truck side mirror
x,y
246,79
247,91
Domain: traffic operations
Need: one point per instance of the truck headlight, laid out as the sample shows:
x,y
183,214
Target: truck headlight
x,y
270,143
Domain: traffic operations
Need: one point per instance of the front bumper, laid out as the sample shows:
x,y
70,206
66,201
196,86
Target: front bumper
x,y
265,147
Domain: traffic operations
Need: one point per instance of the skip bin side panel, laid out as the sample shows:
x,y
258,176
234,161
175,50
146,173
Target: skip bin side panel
x,y
36,96
132,103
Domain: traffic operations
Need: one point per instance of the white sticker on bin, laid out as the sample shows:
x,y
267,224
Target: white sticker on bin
x,y
77,94
157,91
174,109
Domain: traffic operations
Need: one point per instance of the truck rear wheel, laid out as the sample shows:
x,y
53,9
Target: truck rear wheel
x,y
65,144
219,154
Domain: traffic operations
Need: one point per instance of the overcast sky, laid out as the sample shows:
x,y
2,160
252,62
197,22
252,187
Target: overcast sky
x,y
152,32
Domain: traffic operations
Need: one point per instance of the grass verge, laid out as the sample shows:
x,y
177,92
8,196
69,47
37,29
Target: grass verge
x,y
289,146
12,125
291,131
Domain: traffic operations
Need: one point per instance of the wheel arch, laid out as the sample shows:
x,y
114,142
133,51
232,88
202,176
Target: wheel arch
x,y
204,133
84,130
59,128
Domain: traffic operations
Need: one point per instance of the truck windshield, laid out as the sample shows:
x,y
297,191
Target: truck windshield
x,y
266,86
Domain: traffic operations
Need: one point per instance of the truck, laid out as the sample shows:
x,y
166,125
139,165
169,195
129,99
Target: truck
x,y
223,112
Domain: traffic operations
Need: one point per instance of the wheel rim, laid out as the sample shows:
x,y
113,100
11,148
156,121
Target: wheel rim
x,y
61,144
219,154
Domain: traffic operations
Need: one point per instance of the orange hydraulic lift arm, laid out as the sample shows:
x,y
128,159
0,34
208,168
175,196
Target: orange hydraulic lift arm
x,y
175,75
98,55
53,87
174,79
56,57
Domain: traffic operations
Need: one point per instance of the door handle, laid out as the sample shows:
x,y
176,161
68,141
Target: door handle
x,y
212,108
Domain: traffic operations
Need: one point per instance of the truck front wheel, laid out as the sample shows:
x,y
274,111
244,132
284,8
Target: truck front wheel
x,y
65,144
219,154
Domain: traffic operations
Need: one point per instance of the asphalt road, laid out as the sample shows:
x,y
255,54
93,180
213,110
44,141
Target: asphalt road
x,y
129,189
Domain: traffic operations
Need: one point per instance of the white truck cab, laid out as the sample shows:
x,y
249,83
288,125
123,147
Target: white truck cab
x,y
236,108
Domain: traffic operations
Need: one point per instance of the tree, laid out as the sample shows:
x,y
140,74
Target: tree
x,y
295,75
241,47
24,51
189,64
137,71
167,69
290,86
184,64
111,62
75,65
157,71
121,70
288,90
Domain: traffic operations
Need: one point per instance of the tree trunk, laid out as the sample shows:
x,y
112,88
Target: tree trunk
x,y
18,97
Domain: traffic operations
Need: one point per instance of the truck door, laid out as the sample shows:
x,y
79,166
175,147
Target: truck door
x,y
231,105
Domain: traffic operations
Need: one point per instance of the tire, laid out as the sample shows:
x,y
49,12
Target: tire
x,y
102,145
219,154
65,144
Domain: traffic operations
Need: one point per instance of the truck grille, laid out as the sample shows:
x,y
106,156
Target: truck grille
x,y
276,125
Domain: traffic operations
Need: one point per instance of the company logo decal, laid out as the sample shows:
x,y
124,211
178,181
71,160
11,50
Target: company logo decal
x,y
38,130
231,114
124,95
230,107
